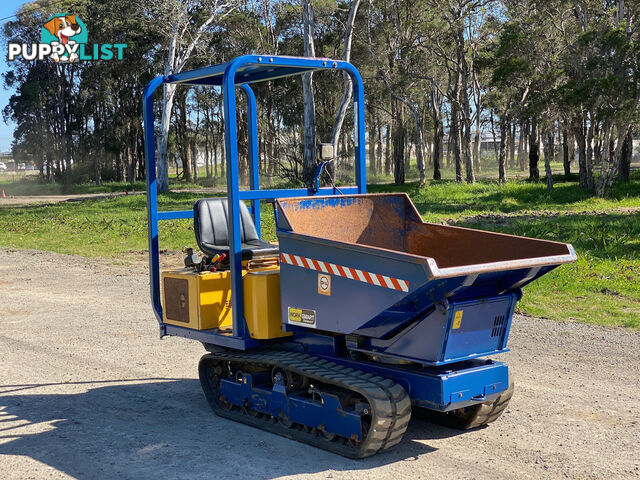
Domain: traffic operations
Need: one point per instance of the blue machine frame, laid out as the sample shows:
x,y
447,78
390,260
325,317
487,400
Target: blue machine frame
x,y
240,72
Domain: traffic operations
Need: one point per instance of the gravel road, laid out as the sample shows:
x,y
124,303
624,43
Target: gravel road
x,y
88,391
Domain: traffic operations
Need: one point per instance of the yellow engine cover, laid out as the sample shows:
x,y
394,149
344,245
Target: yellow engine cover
x,y
196,300
262,304
202,301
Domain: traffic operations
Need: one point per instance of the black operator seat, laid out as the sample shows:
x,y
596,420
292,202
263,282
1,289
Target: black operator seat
x,y
210,224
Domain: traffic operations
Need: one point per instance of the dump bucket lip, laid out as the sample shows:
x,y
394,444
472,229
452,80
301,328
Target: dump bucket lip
x,y
434,272
478,268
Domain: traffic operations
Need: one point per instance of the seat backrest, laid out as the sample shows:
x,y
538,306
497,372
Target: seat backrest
x,y
210,223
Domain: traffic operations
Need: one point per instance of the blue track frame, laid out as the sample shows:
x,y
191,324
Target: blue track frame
x,y
240,72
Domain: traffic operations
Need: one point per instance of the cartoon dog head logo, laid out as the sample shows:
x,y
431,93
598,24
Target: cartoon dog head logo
x,y
64,38
64,29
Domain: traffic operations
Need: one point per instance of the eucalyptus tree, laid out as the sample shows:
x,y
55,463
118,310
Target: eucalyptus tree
x,y
601,89
392,38
188,21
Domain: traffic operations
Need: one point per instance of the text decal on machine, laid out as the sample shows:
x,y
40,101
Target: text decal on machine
x,y
300,316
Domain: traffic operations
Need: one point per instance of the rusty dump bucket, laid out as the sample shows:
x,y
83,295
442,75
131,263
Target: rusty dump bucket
x,y
368,264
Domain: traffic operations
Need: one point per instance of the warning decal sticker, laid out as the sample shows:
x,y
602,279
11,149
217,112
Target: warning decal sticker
x,y
457,320
324,284
301,316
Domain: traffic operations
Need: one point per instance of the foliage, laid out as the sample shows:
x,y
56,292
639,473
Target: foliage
x,y
440,75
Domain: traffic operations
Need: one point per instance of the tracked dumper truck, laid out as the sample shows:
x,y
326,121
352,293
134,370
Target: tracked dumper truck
x,y
361,312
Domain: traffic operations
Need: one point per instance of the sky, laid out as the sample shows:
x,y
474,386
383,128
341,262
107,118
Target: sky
x,y
7,8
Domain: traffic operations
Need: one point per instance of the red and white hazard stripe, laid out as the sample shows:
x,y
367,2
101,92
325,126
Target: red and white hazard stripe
x,y
346,272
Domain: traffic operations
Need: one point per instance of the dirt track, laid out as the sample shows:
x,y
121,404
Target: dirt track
x,y
30,200
88,391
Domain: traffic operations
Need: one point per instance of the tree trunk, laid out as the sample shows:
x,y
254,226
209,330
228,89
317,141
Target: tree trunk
x,y
348,87
477,143
186,163
512,145
97,164
309,157
589,161
373,129
169,90
523,144
600,187
565,154
380,166
611,156
206,156
578,127
624,168
408,147
194,159
547,160
534,152
468,159
418,127
455,134
502,156
438,131
493,135
520,151
118,165
438,135
215,160
465,110
398,145
449,147
387,150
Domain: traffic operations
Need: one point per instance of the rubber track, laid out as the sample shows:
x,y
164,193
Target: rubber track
x,y
472,417
389,402
489,412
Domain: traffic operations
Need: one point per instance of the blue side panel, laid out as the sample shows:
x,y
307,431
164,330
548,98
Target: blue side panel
x,y
467,329
324,412
352,302
480,329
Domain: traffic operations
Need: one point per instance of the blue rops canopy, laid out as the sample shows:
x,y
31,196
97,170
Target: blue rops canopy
x,y
252,69
240,72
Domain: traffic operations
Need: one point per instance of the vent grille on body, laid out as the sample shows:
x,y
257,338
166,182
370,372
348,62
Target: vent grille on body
x,y
498,326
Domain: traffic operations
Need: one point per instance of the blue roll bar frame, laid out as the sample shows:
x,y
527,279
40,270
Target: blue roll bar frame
x,y
240,72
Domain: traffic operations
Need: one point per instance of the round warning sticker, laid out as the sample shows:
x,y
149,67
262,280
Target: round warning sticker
x,y
324,284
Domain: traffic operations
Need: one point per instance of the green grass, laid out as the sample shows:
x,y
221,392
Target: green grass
x,y
603,287
22,185
94,228
446,199
104,227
